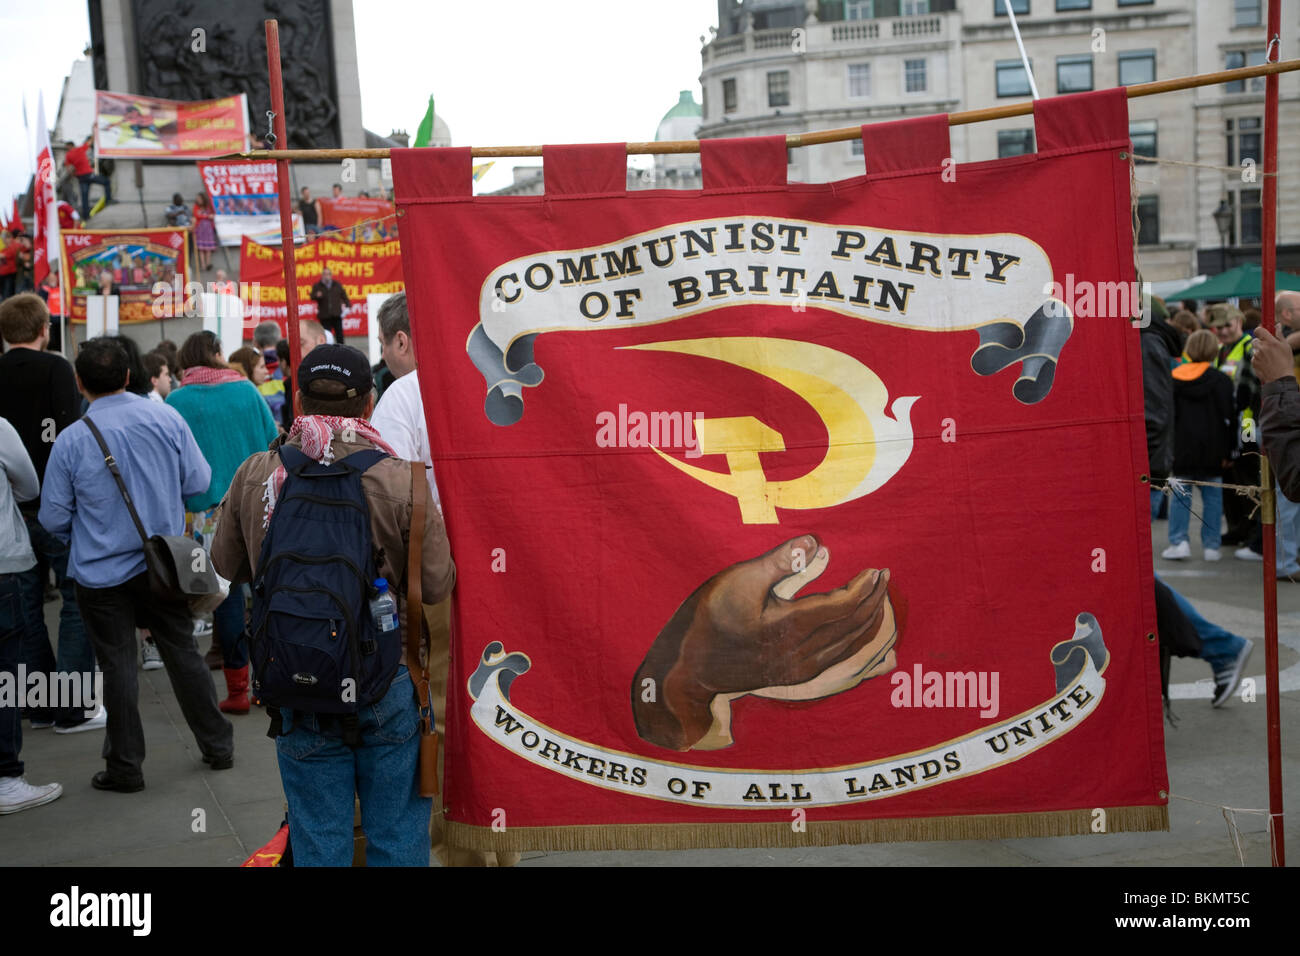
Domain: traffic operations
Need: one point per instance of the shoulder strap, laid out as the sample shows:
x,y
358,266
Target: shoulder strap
x,y
117,476
415,625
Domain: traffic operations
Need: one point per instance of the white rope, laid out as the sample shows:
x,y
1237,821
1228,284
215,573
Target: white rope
x,y
1234,831
1024,57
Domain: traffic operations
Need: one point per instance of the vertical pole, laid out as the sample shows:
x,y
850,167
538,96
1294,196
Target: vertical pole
x,y
1268,237
286,198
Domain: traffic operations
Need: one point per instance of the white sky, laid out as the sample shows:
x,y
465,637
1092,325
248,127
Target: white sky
x,y
508,72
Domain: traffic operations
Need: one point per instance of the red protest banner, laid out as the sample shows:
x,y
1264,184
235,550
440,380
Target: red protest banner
x,y
244,196
149,128
145,268
349,211
361,268
805,513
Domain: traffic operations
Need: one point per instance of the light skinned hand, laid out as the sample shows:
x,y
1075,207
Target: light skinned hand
x,y
1271,357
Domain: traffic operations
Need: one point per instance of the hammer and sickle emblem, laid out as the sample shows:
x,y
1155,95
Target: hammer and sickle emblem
x,y
865,448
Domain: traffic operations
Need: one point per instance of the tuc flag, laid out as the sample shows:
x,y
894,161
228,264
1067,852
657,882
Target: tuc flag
x,y
362,268
145,268
793,514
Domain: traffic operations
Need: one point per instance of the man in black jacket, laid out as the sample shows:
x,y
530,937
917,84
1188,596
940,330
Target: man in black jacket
x,y
331,299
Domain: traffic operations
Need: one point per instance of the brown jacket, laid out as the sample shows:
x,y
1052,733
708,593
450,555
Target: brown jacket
x,y
238,541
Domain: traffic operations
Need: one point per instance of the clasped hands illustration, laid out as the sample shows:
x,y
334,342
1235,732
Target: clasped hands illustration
x,y
744,633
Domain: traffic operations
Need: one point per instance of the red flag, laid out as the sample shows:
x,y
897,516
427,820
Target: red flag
x,y
785,509
46,215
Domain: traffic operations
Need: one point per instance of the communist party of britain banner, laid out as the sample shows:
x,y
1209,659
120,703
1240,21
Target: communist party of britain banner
x,y
143,127
137,260
361,267
792,513
245,201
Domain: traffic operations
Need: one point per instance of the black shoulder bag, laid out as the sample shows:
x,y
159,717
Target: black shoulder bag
x,y
179,568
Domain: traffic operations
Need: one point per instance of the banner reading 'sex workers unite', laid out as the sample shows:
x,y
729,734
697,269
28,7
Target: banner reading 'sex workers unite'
x,y
792,513
361,268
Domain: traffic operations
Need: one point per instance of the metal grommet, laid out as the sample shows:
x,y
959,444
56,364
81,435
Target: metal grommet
x,y
1150,637
1123,155
1145,479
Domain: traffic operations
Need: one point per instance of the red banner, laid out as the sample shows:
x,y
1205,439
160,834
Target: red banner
x,y
793,514
369,220
148,128
361,268
144,268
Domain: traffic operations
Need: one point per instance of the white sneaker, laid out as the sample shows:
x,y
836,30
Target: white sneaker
x,y
1177,552
150,657
17,794
1245,554
202,628
98,722
1213,554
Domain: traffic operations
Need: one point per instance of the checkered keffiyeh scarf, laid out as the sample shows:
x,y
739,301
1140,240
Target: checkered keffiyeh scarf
x,y
317,434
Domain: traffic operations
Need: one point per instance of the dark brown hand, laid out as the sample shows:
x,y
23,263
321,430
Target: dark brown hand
x,y
734,635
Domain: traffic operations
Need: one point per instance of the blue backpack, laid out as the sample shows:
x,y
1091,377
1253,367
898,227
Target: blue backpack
x,y
314,646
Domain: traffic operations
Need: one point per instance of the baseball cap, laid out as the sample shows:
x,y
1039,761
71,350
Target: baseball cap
x,y
336,363
1221,314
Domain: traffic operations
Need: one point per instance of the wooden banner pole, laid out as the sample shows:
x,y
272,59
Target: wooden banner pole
x,y
1268,238
286,198
795,140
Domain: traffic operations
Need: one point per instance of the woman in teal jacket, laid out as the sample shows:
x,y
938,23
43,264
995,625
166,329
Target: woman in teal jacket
x,y
230,421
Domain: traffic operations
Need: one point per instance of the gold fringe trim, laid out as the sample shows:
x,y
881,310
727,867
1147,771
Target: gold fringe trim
x,y
692,836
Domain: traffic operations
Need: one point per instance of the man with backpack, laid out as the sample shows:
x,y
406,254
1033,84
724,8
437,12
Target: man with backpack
x,y
315,524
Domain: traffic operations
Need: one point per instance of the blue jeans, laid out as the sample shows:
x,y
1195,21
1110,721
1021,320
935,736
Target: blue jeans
x,y
321,775
1180,508
1219,648
76,656
86,182
12,627
228,628
1288,535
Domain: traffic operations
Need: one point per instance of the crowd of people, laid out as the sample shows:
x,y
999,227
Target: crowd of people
x,y
1203,397
199,441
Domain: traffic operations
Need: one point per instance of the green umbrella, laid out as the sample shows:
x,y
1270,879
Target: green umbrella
x,y
425,133
1237,283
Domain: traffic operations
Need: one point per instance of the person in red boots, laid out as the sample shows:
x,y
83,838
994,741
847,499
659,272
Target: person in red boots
x,y
229,421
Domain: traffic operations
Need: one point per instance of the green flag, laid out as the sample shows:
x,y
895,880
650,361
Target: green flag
x,y
425,133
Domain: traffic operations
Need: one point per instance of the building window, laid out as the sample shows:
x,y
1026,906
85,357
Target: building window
x,y
1251,216
914,76
915,8
859,79
1143,135
1020,7
1064,6
859,9
1012,80
1015,142
728,96
1235,60
778,88
1247,13
1148,220
855,147
1137,66
1135,3
1073,74
1245,139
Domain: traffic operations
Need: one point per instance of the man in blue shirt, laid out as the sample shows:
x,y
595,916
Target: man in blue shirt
x,y
160,463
